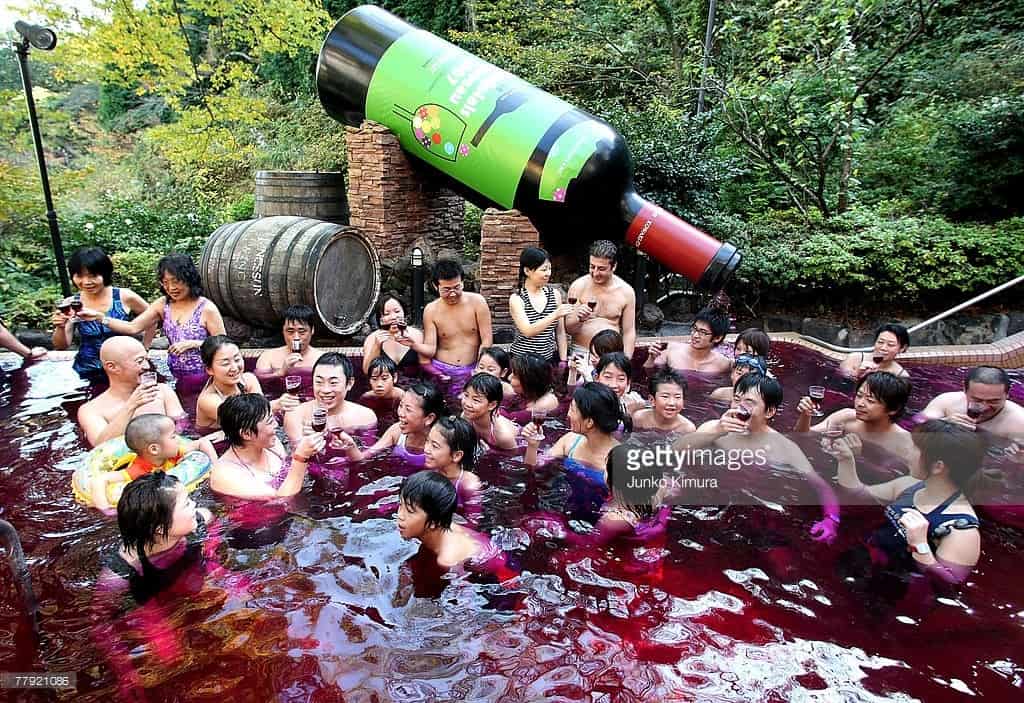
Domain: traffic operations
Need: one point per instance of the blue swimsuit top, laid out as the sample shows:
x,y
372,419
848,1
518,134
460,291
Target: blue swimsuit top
x,y
578,467
92,335
892,540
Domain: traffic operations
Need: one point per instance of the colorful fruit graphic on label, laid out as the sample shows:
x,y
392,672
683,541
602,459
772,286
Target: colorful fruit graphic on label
x,y
437,129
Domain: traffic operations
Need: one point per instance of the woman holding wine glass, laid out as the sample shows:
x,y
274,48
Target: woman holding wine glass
x,y
537,310
254,467
891,340
227,377
393,326
92,272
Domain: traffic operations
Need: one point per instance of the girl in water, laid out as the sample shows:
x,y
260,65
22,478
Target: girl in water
x,y
451,451
480,400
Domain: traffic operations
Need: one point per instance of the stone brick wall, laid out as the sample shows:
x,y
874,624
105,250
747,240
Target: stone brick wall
x,y
503,235
394,202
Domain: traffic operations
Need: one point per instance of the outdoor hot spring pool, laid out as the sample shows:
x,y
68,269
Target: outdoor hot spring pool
x,y
322,601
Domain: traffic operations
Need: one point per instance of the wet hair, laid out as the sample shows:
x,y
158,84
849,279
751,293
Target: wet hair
x,y
897,330
618,360
598,402
211,345
242,413
604,249
530,258
959,448
666,375
488,386
718,320
756,340
92,260
767,387
144,430
431,399
892,390
461,437
501,358
302,314
184,269
433,494
446,270
383,363
989,376
605,342
335,359
534,375
145,513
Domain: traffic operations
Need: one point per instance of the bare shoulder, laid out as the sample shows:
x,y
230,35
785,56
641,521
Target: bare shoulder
x,y
578,283
624,289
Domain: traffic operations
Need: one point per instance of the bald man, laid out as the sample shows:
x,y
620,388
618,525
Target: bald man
x,y
105,416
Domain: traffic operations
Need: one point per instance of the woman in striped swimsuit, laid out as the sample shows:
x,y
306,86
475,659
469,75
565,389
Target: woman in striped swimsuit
x,y
537,309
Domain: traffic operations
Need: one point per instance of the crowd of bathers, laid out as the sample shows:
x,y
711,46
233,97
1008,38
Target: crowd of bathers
x,y
443,394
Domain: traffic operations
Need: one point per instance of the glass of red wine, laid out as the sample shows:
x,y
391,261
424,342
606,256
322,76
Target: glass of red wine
x,y
148,378
65,306
878,359
592,304
817,394
296,346
975,410
743,415
573,301
537,417
318,422
76,304
292,383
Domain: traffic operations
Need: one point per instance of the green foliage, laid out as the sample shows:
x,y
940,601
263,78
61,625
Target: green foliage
x,y
31,307
136,269
864,255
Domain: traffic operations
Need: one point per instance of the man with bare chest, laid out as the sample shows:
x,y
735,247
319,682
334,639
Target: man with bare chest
x,y
131,392
455,326
603,301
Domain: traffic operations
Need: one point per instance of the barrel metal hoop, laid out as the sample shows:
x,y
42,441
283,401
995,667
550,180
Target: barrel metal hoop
x,y
288,259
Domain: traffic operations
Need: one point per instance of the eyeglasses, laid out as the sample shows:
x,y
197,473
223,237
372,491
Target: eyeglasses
x,y
700,332
448,290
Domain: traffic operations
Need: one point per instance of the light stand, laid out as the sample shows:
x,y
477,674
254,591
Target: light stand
x,y
45,39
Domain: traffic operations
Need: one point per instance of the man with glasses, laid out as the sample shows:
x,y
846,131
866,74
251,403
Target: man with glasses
x,y
708,331
984,404
603,302
455,326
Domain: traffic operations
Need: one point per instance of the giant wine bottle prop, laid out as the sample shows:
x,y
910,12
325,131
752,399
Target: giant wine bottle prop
x,y
507,142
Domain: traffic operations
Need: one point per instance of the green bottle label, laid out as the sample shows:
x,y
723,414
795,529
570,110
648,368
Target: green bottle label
x,y
472,120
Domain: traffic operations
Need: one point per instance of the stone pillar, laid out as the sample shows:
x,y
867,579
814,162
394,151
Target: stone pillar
x,y
503,235
394,202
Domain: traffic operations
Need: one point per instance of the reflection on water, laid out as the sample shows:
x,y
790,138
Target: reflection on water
x,y
321,600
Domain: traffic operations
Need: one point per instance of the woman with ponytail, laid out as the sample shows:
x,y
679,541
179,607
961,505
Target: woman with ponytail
x,y
537,309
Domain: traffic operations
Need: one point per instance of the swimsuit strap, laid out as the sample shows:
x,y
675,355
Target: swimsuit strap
x,y
459,479
401,441
575,444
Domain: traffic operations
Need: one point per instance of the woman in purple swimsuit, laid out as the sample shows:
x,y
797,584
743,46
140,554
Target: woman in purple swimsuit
x,y
188,318
421,406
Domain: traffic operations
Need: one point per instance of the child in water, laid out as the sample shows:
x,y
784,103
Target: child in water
x,y
156,445
426,506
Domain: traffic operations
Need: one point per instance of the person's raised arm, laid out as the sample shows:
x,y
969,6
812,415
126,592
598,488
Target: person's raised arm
x,y
63,330
373,346
845,450
937,407
98,430
561,338
574,320
956,556
629,324
136,305
9,341
428,347
149,317
483,323
345,442
172,404
531,329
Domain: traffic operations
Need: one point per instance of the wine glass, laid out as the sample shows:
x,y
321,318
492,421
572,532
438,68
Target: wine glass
x,y
592,304
292,383
76,304
572,300
65,306
975,410
318,422
537,417
743,415
148,378
296,346
878,358
817,394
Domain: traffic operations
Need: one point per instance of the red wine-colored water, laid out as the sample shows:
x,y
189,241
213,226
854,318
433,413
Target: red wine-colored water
x,y
322,601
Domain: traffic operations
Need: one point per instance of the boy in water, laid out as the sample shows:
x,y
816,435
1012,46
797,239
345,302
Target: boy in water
x,y
426,506
157,446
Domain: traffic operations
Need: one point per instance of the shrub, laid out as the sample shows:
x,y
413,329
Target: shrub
x,y
137,270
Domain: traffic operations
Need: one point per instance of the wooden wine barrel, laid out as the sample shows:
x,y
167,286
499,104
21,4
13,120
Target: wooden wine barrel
x,y
316,194
253,270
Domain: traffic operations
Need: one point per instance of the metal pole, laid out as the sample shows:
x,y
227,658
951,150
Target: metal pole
x,y
21,48
708,36
417,285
